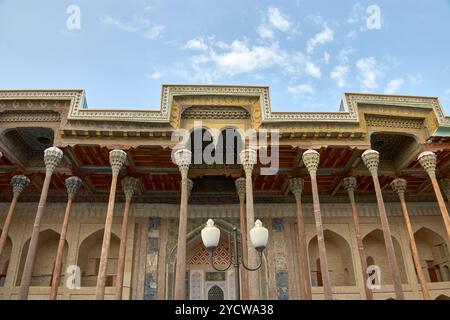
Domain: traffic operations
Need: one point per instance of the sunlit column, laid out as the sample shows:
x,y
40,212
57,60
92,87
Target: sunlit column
x,y
371,159
311,159
427,160
117,159
52,157
296,186
130,185
183,160
73,185
248,159
240,189
399,186
349,184
18,183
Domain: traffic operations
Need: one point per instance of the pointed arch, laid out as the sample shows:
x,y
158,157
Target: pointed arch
x,y
45,259
339,257
89,258
433,251
374,247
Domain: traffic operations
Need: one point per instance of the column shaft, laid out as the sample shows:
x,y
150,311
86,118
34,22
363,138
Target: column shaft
x,y
361,253
243,226
101,278
442,205
321,241
180,270
122,251
31,254
7,223
304,277
393,266
60,252
252,258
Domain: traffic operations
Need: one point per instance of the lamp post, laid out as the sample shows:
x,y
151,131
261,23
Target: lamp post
x,y
258,237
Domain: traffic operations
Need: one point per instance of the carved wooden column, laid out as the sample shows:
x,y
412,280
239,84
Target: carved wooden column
x,y
296,187
18,183
427,160
117,159
311,159
248,160
52,157
399,186
371,159
73,185
183,160
349,184
240,189
445,184
130,185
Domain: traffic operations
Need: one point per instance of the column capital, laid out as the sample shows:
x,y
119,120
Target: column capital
x,y
311,159
130,185
399,185
296,186
371,159
73,185
248,159
182,159
445,184
240,188
349,183
52,157
19,183
427,160
117,159
190,185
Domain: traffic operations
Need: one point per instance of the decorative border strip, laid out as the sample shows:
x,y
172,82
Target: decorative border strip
x,y
348,110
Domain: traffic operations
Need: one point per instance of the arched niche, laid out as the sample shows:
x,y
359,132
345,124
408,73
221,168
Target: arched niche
x,y
434,255
89,259
45,259
339,256
374,247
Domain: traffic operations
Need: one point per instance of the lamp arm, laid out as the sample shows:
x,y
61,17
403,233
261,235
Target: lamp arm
x,y
211,260
253,269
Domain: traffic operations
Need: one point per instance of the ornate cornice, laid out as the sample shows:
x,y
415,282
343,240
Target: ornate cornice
x,y
175,97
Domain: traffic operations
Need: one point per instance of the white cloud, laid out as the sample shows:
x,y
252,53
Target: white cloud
x,y
137,25
339,73
154,76
320,38
312,70
277,19
415,79
326,57
196,44
265,32
301,89
394,85
369,71
357,14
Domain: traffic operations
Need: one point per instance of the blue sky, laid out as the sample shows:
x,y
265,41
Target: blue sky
x,y
308,52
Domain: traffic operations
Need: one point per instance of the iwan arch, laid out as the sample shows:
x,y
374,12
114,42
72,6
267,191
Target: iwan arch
x,y
400,128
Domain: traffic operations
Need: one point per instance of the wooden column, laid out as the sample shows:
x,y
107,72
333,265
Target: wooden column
x,y
427,160
371,159
248,160
311,159
18,183
73,185
349,184
129,186
399,186
240,189
52,157
296,186
117,159
183,160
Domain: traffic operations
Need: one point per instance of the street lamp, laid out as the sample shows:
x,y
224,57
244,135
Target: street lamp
x,y
258,237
